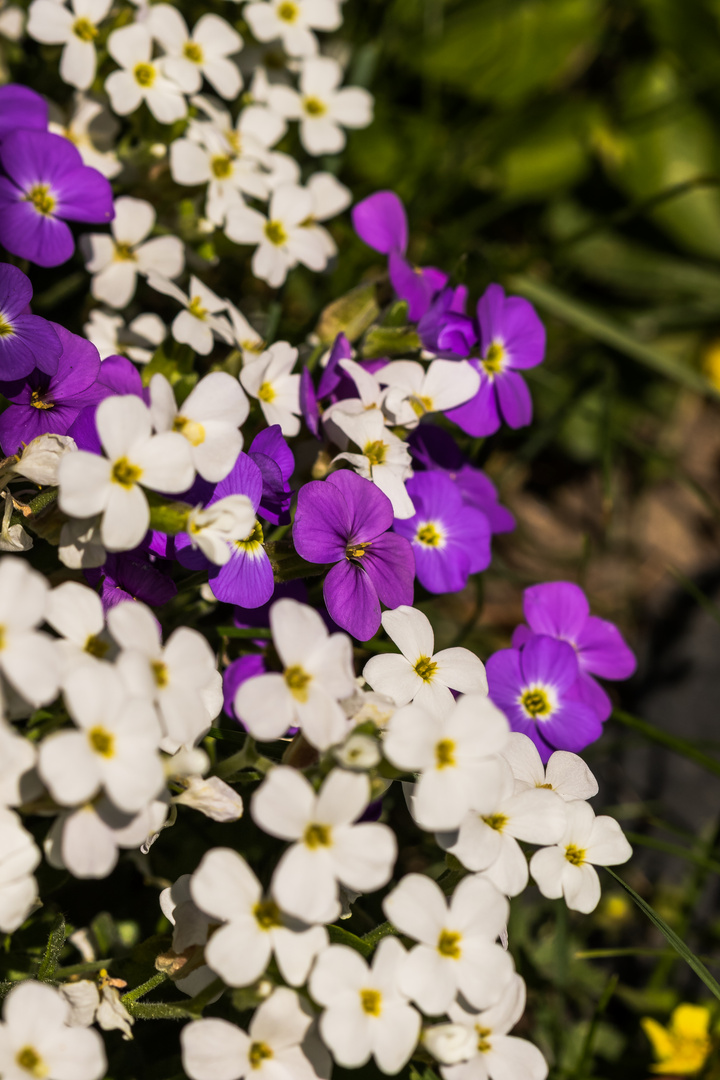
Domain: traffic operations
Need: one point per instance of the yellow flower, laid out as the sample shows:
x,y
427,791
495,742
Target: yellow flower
x,y
683,1047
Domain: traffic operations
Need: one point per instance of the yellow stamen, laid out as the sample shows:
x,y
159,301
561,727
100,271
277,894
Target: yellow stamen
x,y
318,836
430,536
425,668
371,1001
297,681
144,74
193,52
42,200
102,741
84,29
535,702
125,473
313,106
275,232
449,944
445,754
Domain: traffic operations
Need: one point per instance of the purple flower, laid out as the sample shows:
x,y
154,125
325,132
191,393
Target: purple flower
x,y
345,520
435,448
21,107
450,539
449,301
45,185
246,579
26,341
331,376
380,221
117,375
511,338
276,462
44,403
309,403
537,689
131,576
560,610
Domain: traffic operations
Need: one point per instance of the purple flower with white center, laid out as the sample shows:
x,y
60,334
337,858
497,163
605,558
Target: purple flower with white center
x,y
42,403
511,338
450,539
46,184
131,576
537,689
276,462
246,578
381,221
21,107
26,341
434,448
345,520
560,609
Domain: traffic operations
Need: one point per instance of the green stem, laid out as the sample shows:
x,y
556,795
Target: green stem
x,y
140,991
671,742
53,949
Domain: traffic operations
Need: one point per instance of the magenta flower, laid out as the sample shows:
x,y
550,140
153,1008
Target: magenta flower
x,y
380,221
43,403
21,107
345,520
560,610
131,576
46,184
276,462
537,689
26,341
450,539
511,338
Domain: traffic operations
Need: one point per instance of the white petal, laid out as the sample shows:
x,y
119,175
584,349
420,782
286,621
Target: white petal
x,y
417,907
165,255
223,885
284,803
166,463
213,1049
461,670
134,219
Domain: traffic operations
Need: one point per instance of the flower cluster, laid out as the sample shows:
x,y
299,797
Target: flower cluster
x,y
237,527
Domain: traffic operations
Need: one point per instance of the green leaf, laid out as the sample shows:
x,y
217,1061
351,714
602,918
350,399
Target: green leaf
x,y
397,314
677,943
352,314
53,949
390,341
339,936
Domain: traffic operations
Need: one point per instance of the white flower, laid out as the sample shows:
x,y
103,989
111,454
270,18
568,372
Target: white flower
x,y
364,705
52,23
366,1012
328,848
114,745
181,679
92,129
569,869
212,797
330,198
12,21
246,336
455,754
565,773
457,950
413,392
85,841
291,21
18,782
12,537
76,612
199,323
36,1041
322,109
99,1001
227,175
282,241
110,336
225,889
358,752
18,888
40,458
115,261
489,840
214,1049
111,485
204,53
27,656
141,78
213,529
419,674
210,418
491,1052
270,379
317,674
383,458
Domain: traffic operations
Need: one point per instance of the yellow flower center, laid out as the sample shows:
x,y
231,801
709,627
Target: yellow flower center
x,y
193,432
288,12
318,836
3,641
449,944
496,821
267,914
253,541
371,1001
425,668
535,702
375,452
429,535
37,402
266,392
193,52
297,681
484,1034
144,74
42,200
259,1052
30,1060
124,253
95,646
575,855
275,232
445,754
221,167
421,405
494,359
356,551
102,741
125,473
6,329
160,673
313,106
84,29
195,308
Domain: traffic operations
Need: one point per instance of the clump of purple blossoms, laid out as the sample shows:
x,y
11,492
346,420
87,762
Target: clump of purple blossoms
x,y
26,341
